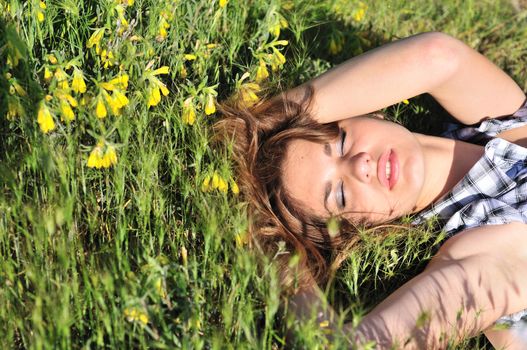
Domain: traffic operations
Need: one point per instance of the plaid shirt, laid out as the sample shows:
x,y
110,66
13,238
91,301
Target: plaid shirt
x,y
494,191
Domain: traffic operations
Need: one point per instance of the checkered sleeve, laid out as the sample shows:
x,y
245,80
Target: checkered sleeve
x,y
487,211
482,133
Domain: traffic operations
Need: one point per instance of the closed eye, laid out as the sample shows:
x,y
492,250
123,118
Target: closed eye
x,y
343,197
341,200
342,141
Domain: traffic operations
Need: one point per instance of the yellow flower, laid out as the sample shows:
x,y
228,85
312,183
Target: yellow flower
x,y
47,74
122,23
223,186
248,93
234,187
52,59
184,254
95,38
66,111
241,239
163,26
261,72
64,85
64,95
126,2
78,85
107,58
160,289
219,183
215,180
156,87
190,57
100,109
14,108
45,119
183,72
359,13
95,158
102,158
40,11
108,86
210,107
110,156
110,102
60,74
153,96
189,113
18,88
62,79
405,102
119,99
136,315
275,30
13,54
223,3
40,16
283,22
205,185
161,70
335,46
12,111
277,60
163,88
121,80
278,23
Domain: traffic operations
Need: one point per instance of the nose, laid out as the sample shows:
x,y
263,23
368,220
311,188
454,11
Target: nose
x,y
360,166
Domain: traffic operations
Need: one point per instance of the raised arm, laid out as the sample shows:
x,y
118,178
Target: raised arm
x,y
477,277
463,81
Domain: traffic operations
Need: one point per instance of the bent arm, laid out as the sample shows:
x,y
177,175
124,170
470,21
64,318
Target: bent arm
x,y
477,277
463,81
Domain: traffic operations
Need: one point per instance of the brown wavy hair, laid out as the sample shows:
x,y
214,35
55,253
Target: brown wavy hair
x,y
259,136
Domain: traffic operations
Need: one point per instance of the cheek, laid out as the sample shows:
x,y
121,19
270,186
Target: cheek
x,y
414,174
372,205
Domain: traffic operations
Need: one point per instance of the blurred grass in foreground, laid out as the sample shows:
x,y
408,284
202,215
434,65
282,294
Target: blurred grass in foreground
x,y
120,227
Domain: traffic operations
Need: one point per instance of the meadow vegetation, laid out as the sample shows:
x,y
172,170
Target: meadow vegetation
x,y
121,225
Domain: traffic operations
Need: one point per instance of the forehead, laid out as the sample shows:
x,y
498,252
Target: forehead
x,y
304,174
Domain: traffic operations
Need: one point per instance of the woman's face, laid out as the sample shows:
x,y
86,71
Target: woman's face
x,y
373,171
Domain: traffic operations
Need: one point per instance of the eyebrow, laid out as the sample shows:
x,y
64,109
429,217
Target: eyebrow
x,y
327,149
327,192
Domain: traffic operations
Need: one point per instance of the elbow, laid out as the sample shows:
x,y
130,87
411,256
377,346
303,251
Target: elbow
x,y
442,55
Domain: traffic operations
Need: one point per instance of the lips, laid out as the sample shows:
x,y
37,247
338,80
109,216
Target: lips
x,y
388,169
394,174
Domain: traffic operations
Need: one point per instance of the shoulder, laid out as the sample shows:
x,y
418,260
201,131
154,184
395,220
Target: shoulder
x,y
507,241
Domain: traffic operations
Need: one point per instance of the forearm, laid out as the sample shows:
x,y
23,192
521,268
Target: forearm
x,y
468,85
476,277
448,302
514,338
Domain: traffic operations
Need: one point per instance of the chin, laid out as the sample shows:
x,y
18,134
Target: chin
x,y
413,174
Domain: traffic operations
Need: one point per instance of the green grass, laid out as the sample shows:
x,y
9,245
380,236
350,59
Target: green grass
x,y
137,254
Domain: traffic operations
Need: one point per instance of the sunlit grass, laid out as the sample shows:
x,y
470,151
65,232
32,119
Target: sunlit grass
x,y
146,247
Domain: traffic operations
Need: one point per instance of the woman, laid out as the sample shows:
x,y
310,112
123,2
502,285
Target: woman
x,y
314,153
